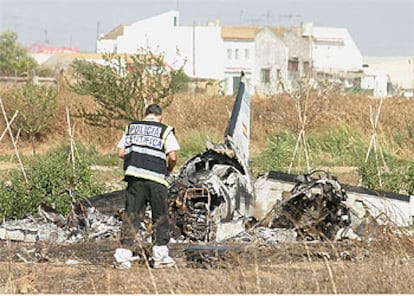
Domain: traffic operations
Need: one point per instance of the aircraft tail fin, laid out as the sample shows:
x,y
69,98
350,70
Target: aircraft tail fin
x,y
237,134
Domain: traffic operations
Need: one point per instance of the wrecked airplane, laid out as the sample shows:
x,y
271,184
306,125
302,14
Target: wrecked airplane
x,y
216,186
214,198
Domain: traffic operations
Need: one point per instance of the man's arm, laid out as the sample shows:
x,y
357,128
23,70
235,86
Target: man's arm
x,y
171,161
121,147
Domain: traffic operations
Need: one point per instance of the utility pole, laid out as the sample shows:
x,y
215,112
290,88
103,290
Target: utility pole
x,y
194,49
46,39
268,17
194,59
98,24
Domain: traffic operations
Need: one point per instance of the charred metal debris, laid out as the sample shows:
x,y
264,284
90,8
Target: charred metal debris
x,y
210,191
211,188
314,208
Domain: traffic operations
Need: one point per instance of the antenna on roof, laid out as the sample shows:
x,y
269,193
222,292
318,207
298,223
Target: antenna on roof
x,y
268,17
290,16
252,20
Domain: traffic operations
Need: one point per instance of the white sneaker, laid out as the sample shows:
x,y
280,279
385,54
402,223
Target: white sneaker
x,y
124,258
123,265
161,257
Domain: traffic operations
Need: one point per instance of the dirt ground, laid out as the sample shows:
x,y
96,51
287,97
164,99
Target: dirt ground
x,y
300,267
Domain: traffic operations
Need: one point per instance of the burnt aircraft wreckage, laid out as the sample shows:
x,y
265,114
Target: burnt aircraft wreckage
x,y
216,186
214,198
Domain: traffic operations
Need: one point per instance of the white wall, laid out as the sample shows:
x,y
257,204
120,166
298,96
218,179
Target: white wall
x,y
106,46
272,54
399,69
233,65
202,47
199,49
333,49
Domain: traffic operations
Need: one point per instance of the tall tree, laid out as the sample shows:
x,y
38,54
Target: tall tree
x,y
14,59
124,86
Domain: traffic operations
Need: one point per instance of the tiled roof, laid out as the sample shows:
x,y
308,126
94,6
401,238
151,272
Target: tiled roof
x,y
115,33
239,33
279,31
249,33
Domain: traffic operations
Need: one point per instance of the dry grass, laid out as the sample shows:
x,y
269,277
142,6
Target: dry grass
x,y
202,117
384,266
206,115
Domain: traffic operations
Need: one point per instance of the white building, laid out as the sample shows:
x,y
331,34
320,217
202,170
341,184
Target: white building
x,y
332,49
375,81
271,69
221,53
239,47
400,70
198,48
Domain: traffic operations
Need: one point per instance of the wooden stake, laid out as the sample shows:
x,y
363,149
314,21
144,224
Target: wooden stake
x,y
72,142
301,140
13,141
373,142
8,125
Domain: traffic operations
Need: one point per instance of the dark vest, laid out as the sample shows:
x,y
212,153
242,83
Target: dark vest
x,y
145,150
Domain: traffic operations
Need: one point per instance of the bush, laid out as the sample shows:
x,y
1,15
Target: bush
x,y
37,107
277,154
192,145
49,179
345,146
398,177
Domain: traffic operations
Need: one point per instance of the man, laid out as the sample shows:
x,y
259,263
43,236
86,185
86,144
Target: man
x,y
149,149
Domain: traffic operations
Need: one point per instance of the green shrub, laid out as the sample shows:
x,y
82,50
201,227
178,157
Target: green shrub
x,y
397,177
36,106
342,146
50,176
193,144
277,153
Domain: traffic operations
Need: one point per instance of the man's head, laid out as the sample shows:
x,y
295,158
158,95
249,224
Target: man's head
x,y
153,109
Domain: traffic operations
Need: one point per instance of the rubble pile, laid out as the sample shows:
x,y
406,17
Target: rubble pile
x,y
203,206
83,223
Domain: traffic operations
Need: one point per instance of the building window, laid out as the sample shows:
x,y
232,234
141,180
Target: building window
x,y
236,54
175,21
306,67
246,54
229,53
265,76
293,65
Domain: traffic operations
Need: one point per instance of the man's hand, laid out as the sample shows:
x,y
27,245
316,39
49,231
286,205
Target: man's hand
x,y
121,153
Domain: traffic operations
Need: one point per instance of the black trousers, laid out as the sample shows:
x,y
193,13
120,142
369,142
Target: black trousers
x,y
139,193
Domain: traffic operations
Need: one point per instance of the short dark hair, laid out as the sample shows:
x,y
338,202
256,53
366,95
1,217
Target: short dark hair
x,y
153,109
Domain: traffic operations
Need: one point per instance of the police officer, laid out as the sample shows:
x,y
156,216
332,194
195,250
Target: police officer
x,y
149,149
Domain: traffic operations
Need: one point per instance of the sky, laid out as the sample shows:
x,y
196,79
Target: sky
x,y
378,27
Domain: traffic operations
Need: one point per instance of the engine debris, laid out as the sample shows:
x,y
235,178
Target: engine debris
x,y
314,208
